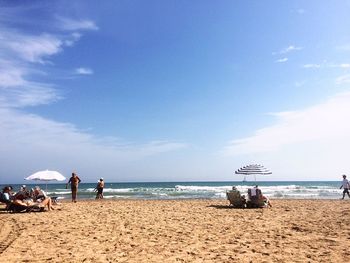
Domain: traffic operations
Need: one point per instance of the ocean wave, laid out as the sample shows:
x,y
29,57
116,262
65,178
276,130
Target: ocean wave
x,y
208,190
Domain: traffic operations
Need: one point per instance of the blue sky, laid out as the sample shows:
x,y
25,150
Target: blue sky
x,y
174,90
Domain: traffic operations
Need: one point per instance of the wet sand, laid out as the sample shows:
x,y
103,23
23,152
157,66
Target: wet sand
x,y
179,231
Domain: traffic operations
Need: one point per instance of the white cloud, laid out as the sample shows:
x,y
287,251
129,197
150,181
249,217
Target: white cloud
x,y
31,48
327,65
38,143
311,66
21,54
343,79
343,65
323,122
282,60
73,24
308,144
10,75
287,50
84,71
74,37
30,94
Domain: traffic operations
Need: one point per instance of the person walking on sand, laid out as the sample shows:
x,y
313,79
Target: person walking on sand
x,y
74,182
99,188
346,186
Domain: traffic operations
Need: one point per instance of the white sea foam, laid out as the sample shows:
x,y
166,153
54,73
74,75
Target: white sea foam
x,y
211,190
193,188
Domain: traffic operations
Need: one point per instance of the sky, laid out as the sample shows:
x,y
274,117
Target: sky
x,y
137,91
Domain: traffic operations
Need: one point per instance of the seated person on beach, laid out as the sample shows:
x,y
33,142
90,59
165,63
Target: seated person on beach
x,y
255,193
255,197
234,192
41,198
22,194
5,196
235,197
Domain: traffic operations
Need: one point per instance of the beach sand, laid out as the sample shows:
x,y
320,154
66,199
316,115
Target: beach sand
x,y
179,231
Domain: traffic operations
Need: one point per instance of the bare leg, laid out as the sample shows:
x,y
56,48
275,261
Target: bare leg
x,y
74,195
47,202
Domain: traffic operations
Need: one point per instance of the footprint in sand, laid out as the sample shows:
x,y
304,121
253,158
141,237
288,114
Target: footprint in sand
x,y
9,231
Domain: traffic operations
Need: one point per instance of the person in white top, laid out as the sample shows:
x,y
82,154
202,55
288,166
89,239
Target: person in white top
x,y
345,185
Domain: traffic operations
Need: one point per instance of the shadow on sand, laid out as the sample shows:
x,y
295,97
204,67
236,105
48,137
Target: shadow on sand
x,y
224,207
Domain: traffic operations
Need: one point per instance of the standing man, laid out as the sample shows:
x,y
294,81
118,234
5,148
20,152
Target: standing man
x,y
345,185
99,189
74,182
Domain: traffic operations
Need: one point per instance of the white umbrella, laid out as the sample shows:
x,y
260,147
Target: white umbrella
x,y
46,176
253,169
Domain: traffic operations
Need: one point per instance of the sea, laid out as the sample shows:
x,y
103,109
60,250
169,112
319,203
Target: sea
x,y
195,190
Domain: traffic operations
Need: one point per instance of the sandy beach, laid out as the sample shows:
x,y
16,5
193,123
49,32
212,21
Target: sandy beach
x,y
179,231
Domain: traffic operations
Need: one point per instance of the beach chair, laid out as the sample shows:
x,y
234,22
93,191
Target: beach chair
x,y
18,208
235,199
255,200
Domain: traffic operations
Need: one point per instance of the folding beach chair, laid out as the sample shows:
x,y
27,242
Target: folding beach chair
x,y
235,199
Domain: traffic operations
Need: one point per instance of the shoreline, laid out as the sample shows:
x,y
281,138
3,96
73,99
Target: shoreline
x,y
201,190
68,200
178,231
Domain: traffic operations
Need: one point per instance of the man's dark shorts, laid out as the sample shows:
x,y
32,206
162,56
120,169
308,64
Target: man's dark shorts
x,y
346,191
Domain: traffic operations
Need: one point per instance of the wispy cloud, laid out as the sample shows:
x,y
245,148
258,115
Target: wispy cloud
x,y
311,66
11,75
30,48
282,60
30,94
21,56
343,65
287,50
39,143
70,40
76,24
35,141
83,71
327,65
324,122
344,79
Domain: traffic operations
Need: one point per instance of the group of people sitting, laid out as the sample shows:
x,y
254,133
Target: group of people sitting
x,y
25,199
255,198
